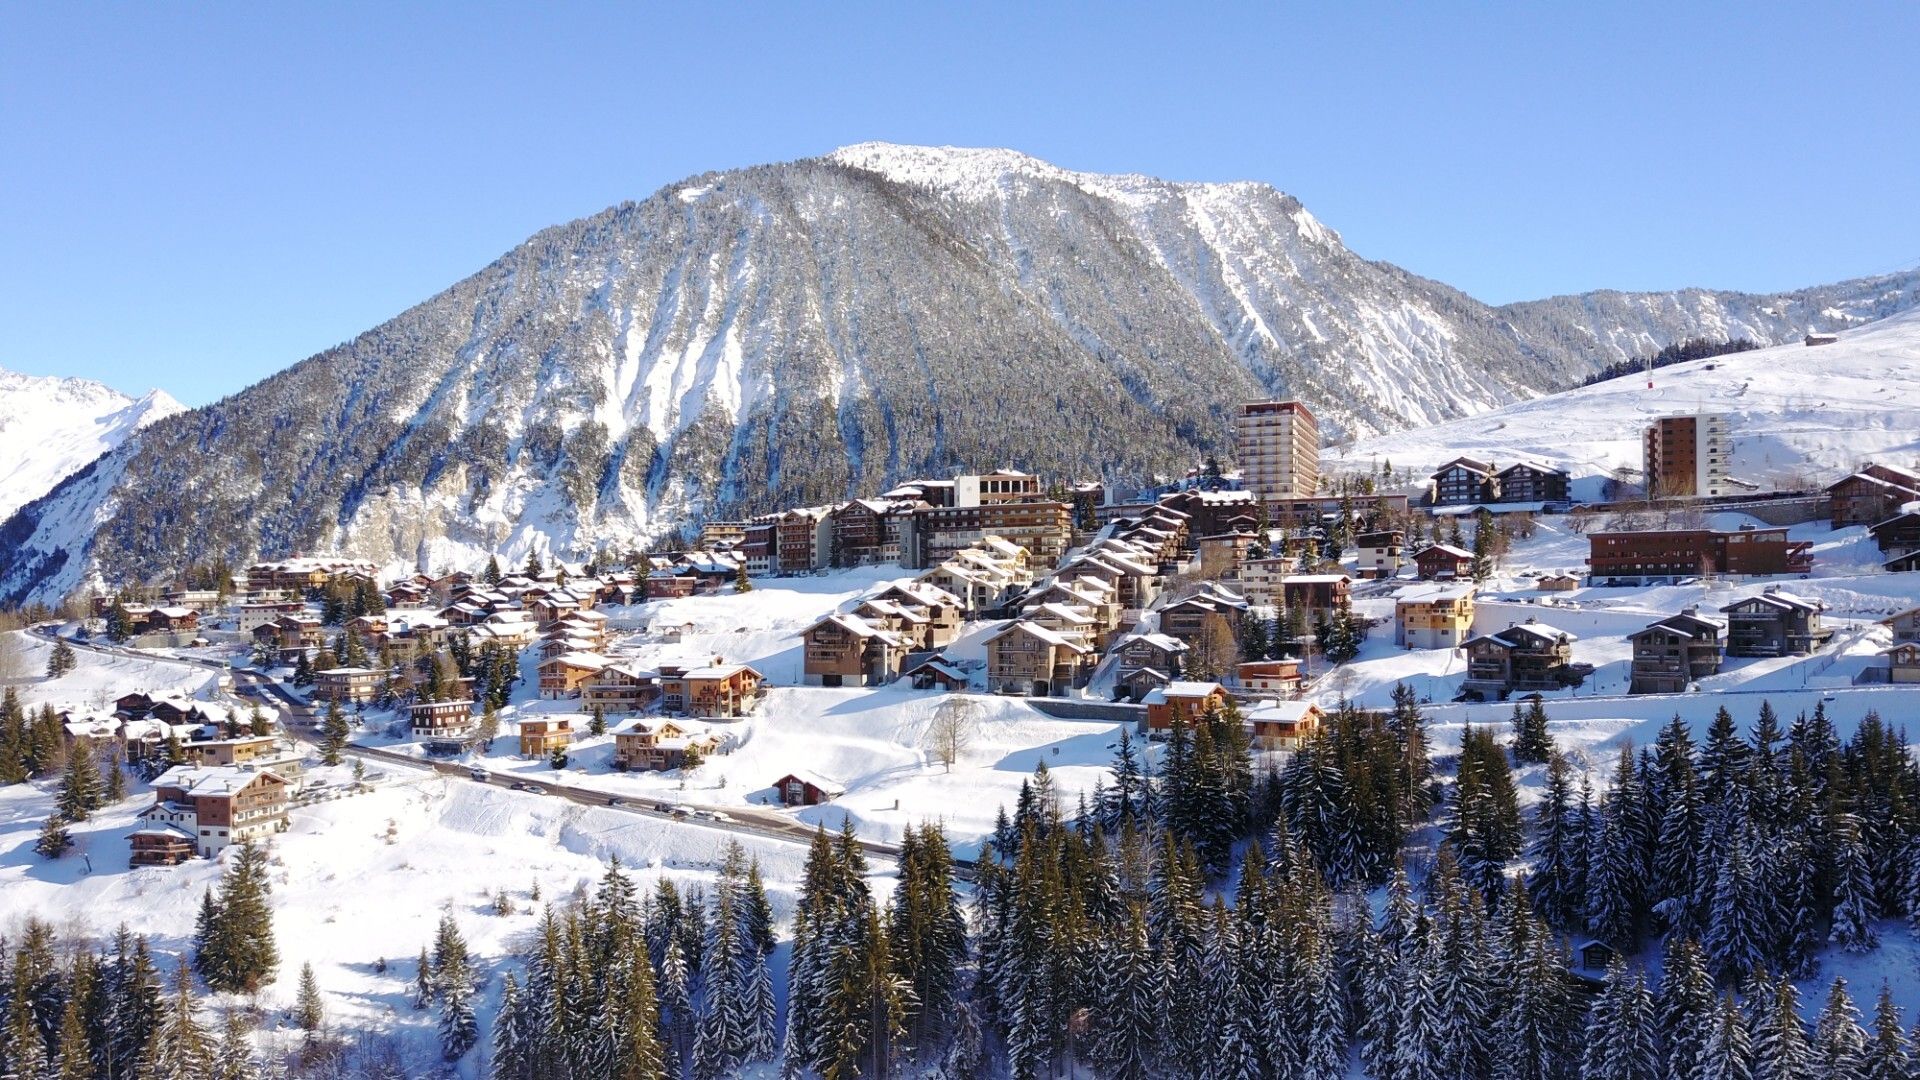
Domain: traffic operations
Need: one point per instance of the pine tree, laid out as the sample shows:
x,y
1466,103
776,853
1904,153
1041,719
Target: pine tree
x,y
1556,881
54,839
233,1058
597,722
1854,908
512,1057
61,660
1839,1042
423,985
741,582
1532,742
235,950
309,1011
458,1029
179,1048
1683,1009
80,789
1729,1048
1889,1055
334,732
1780,1049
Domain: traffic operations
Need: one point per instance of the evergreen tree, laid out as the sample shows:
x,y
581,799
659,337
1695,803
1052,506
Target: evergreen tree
x,y
1683,1009
741,582
1729,1048
458,1029
334,732
1780,1048
54,839
179,1048
233,1057
309,1011
61,660
1854,907
1532,743
512,1057
1889,1055
1839,1042
234,950
1556,881
80,787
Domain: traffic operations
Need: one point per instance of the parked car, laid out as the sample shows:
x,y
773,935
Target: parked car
x,y
481,775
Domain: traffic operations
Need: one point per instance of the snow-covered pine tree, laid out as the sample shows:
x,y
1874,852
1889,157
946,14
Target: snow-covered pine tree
x,y
309,1010
1839,1042
1735,923
458,1028
1780,1048
1889,1054
1727,1052
1126,1029
179,1049
1557,850
1683,1009
512,1054
1854,908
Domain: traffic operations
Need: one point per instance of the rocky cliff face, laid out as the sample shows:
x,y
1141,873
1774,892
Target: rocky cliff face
x,y
799,333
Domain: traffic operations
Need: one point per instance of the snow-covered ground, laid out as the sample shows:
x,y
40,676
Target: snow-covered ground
x,y
365,878
1798,415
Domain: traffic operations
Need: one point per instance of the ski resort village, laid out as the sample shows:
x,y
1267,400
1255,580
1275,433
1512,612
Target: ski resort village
x,y
1284,753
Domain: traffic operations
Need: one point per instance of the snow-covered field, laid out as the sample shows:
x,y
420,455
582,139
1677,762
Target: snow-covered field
x,y
365,878
1797,415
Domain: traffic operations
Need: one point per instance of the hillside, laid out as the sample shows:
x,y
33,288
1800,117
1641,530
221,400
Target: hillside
x,y
51,427
803,332
1798,415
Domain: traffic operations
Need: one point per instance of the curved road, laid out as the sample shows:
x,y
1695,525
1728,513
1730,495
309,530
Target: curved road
x,y
741,820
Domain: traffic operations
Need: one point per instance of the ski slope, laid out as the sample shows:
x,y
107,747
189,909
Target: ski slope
x,y
1799,415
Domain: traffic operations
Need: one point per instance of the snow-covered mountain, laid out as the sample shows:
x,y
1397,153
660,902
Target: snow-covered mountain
x,y
51,427
802,332
1799,415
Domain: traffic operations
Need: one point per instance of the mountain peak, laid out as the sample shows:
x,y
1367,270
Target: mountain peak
x,y
979,171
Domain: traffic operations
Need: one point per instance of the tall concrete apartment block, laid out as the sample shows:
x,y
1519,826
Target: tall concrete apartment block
x,y
1688,455
1278,446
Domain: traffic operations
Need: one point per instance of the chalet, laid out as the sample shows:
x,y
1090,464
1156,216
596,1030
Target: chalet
x,y
1532,482
621,688
847,650
658,745
1433,616
1442,562
1676,651
943,611
563,643
1524,656
1905,626
857,531
1463,481
1897,535
1873,494
288,636
1775,623
201,810
1223,553
1182,701
1207,619
1902,564
802,788
714,691
1283,725
251,616
670,584
348,685
258,751
1028,659
441,720
1557,582
172,620
1382,552
1163,653
513,629
1637,556
1314,594
1280,677
936,673
540,736
564,675
1903,662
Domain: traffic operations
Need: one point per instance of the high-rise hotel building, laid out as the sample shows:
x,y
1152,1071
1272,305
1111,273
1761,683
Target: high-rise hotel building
x,y
1278,446
1687,456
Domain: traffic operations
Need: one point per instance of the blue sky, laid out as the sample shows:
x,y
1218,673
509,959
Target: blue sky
x,y
198,195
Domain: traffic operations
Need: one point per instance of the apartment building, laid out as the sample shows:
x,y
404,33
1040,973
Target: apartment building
x,y
1277,445
1687,456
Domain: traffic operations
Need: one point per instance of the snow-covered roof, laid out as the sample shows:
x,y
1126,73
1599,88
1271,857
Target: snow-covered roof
x,y
1280,712
211,779
718,671
826,784
1191,689
1050,636
1444,549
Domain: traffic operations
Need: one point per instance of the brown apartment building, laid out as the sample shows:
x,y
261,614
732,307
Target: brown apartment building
x,y
1687,456
1681,552
1042,526
1277,444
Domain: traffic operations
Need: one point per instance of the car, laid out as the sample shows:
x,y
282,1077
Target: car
x,y
524,786
616,802
711,815
481,775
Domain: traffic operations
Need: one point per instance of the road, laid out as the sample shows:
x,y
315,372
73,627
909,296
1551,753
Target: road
x,y
744,821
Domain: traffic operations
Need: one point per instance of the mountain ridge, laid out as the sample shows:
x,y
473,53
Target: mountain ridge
x,y
802,332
